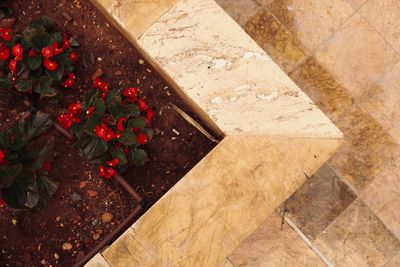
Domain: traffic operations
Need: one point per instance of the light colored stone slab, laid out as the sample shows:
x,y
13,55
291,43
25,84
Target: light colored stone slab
x,y
311,21
356,3
134,16
97,261
228,76
357,55
220,201
382,102
383,15
358,238
383,197
240,10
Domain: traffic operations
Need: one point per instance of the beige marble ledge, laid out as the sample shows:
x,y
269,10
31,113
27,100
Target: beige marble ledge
x,y
227,76
97,261
220,202
134,16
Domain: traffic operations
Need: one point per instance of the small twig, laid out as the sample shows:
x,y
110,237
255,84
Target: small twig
x,y
120,199
194,123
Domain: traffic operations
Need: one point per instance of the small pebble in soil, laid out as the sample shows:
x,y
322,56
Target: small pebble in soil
x,y
107,217
92,193
56,256
141,61
75,197
82,184
14,221
96,236
67,246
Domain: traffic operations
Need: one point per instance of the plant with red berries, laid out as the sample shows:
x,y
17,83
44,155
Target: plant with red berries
x,y
110,127
25,163
40,60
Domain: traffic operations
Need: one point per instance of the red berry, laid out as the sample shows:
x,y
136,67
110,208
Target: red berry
x,y
75,108
141,138
18,52
47,52
50,65
2,157
73,56
13,66
89,111
4,53
47,166
142,104
6,33
32,53
65,43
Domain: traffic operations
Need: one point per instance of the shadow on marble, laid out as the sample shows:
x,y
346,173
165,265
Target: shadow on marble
x,y
366,151
319,201
358,238
311,21
316,81
278,42
240,10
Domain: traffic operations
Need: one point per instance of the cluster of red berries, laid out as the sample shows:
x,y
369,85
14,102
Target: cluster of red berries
x,y
3,155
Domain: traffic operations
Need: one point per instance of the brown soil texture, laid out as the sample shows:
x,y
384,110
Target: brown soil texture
x,y
36,238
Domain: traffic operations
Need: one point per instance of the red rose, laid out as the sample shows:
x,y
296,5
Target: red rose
x,y
89,111
18,52
141,138
102,86
47,166
149,115
65,43
75,108
50,65
142,104
107,173
6,33
120,124
113,162
65,120
73,56
131,94
13,66
47,52
32,53
55,50
4,53
70,81
2,157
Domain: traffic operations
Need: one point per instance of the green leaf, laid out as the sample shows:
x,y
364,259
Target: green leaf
x,y
4,139
94,119
5,83
56,37
43,86
43,22
110,97
57,74
73,42
23,193
138,157
38,124
90,97
92,147
47,186
119,154
41,40
35,62
41,147
99,106
128,138
5,12
24,85
119,110
137,122
8,175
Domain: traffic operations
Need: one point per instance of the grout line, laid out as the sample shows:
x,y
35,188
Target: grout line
x,y
314,248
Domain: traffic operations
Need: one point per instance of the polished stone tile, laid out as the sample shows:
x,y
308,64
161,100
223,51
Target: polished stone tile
x,y
265,2
311,21
257,244
366,151
358,238
394,261
383,15
274,244
316,81
356,3
278,42
319,201
382,102
383,197
357,55
240,10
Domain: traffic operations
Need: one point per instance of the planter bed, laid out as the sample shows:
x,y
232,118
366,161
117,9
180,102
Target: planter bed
x,y
75,215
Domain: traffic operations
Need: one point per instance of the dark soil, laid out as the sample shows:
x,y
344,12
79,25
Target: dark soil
x,y
36,238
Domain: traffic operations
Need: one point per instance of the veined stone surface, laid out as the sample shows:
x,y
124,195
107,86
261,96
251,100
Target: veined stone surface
x,y
220,202
274,135
218,66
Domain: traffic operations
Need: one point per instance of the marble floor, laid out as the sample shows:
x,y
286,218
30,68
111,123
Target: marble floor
x,y
345,54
